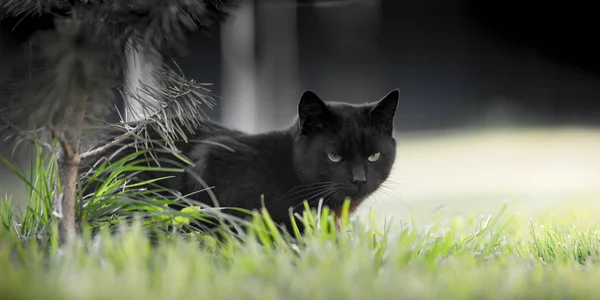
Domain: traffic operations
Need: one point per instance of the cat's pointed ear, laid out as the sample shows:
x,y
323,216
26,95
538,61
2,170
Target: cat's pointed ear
x,y
384,110
313,113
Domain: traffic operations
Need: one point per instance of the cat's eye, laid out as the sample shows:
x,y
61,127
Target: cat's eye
x,y
374,157
334,157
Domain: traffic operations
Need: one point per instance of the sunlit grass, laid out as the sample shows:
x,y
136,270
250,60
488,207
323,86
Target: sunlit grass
x,y
545,244
476,258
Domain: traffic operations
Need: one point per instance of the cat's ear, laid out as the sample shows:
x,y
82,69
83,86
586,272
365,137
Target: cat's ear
x,y
313,113
383,111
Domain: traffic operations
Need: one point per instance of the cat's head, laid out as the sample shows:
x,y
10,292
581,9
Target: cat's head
x,y
344,150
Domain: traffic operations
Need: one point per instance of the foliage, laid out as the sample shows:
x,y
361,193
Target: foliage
x,y
116,199
161,24
33,223
69,74
459,257
76,65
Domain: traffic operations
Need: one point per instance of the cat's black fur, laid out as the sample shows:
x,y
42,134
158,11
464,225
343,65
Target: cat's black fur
x,y
295,164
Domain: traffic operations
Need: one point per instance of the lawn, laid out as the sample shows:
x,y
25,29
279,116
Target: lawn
x,y
481,215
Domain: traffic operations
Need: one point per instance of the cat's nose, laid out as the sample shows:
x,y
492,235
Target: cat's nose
x,y
359,176
359,183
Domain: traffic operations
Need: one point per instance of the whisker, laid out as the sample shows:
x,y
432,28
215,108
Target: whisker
x,y
312,185
314,194
302,191
390,193
323,196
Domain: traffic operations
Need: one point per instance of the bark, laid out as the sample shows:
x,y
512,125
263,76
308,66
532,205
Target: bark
x,y
71,159
68,224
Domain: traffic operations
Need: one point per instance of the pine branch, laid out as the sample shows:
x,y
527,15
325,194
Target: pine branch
x,y
116,142
160,24
20,8
181,103
23,135
75,65
64,68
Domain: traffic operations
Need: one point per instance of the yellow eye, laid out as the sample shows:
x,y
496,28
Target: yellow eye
x,y
374,157
334,157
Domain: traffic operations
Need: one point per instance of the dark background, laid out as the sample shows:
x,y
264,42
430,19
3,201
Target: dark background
x,y
456,63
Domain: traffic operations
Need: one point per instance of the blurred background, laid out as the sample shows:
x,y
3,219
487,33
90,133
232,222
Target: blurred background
x,y
499,99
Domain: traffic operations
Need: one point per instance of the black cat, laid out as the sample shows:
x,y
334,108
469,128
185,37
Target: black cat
x,y
332,151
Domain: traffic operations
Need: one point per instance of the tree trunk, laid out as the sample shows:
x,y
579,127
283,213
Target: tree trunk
x,y
71,169
70,147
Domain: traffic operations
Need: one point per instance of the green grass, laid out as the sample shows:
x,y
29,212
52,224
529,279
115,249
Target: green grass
x,y
508,253
454,258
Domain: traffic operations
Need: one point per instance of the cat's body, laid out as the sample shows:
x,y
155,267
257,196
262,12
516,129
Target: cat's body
x,y
332,151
